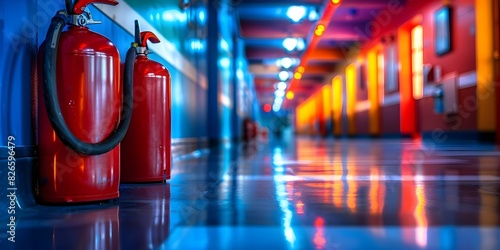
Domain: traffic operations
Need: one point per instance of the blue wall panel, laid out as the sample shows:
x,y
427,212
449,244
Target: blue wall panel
x,y
17,43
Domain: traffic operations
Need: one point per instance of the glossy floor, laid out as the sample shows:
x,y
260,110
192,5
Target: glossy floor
x,y
297,194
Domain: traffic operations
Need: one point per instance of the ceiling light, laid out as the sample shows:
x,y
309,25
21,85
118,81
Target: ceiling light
x,y
224,62
283,75
276,108
240,74
224,45
319,30
279,93
313,15
286,62
281,85
202,16
296,13
301,45
290,43
197,45
267,107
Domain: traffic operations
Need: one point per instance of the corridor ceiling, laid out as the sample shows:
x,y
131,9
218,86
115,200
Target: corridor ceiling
x,y
263,25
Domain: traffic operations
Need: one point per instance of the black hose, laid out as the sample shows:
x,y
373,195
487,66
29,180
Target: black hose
x,y
52,101
137,33
69,7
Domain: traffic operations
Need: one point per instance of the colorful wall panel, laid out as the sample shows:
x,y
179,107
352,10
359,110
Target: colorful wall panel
x,y
486,101
374,95
327,119
352,79
417,114
337,104
400,73
308,115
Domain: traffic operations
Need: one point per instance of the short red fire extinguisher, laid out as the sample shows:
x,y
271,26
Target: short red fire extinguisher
x,y
86,114
146,147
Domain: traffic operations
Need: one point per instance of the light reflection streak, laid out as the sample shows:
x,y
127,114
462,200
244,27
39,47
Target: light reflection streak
x,y
413,199
421,217
338,186
352,189
488,213
377,195
319,236
281,196
300,207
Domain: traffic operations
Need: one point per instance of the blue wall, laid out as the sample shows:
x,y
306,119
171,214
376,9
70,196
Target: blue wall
x,y
18,45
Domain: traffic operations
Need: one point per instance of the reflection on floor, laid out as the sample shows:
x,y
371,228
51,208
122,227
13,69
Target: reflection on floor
x,y
300,194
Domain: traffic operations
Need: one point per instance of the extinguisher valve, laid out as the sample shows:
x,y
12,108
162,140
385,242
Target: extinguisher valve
x,y
142,50
144,37
83,19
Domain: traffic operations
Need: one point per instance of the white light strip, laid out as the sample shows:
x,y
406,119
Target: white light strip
x,y
165,49
225,100
185,140
467,80
429,90
416,178
392,99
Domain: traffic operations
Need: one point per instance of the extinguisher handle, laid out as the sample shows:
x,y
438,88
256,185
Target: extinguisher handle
x,y
80,5
148,35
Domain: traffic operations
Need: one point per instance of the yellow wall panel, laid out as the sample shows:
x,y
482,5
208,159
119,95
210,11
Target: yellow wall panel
x,y
337,104
351,83
373,92
327,103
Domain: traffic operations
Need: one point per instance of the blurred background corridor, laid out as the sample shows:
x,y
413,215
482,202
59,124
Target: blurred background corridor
x,y
269,124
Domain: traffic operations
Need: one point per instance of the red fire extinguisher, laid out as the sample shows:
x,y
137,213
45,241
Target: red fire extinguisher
x,y
146,147
86,114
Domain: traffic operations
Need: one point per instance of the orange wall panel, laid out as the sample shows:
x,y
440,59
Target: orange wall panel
x,y
351,84
362,121
390,116
373,92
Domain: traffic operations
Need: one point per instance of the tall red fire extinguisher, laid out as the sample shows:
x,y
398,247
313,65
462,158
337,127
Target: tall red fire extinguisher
x,y
146,147
86,114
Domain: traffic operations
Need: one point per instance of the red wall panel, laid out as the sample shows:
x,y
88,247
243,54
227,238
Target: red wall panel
x,y
465,120
362,123
390,120
462,57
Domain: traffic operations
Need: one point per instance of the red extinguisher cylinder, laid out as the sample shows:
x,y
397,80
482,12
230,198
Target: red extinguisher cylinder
x,y
81,115
90,97
146,155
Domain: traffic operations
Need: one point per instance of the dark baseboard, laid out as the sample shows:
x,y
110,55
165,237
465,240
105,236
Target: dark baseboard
x,y
487,137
